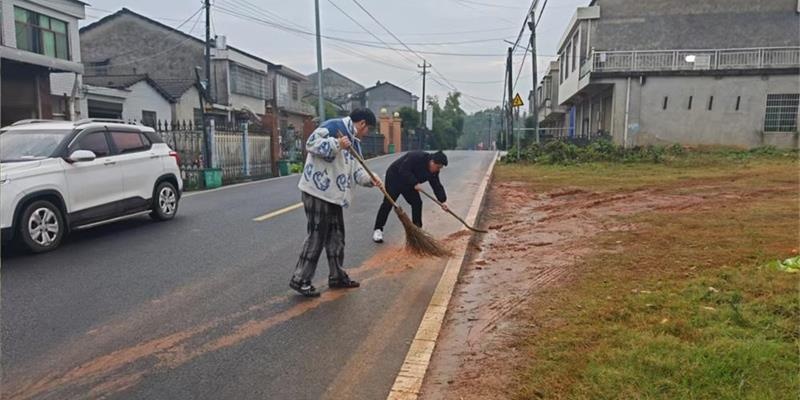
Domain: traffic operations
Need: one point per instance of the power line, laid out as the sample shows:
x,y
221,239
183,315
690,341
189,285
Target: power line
x,y
477,82
448,33
519,72
477,3
385,45
180,43
456,42
368,31
527,50
342,48
433,68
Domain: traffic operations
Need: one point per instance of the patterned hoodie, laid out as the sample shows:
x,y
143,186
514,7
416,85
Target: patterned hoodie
x,y
329,172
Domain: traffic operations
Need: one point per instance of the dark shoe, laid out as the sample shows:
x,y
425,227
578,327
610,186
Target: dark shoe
x,y
304,288
343,283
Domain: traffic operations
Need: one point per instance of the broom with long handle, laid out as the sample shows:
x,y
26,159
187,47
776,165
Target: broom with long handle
x,y
417,240
472,228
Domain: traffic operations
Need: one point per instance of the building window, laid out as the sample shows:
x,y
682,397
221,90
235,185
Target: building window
x,y
149,118
295,91
574,50
664,106
566,62
710,103
248,82
690,102
59,107
97,67
781,113
738,102
197,116
41,34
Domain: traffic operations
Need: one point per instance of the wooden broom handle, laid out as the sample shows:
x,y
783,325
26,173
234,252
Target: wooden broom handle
x,y
452,213
371,175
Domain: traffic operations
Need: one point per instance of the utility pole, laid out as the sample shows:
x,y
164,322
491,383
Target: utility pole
x,y
321,99
424,67
208,45
510,77
532,26
206,126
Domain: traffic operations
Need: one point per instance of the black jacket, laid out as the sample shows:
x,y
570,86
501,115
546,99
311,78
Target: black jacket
x,y
412,169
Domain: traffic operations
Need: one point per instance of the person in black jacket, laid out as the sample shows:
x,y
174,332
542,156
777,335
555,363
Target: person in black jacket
x,y
405,177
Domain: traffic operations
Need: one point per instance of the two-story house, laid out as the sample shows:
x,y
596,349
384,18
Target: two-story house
x,y
286,97
337,91
384,95
683,71
38,39
126,44
551,113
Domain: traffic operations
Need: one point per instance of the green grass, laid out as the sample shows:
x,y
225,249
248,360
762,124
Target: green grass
x,y
687,309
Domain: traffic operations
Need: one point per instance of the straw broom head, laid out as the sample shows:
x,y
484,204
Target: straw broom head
x,y
418,241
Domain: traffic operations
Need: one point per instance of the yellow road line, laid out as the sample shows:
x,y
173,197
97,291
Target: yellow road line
x,y
277,213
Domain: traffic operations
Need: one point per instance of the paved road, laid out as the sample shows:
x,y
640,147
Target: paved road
x,y
199,308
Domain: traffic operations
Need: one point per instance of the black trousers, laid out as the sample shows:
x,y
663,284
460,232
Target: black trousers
x,y
396,187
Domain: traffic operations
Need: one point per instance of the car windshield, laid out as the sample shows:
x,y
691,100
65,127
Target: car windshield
x,y
27,145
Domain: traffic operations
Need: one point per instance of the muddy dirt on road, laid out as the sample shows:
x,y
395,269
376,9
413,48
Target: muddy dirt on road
x,y
536,243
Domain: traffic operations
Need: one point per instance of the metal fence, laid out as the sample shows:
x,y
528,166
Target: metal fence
x,y
241,152
689,60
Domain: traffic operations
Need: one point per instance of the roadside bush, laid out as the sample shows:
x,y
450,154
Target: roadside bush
x,y
604,150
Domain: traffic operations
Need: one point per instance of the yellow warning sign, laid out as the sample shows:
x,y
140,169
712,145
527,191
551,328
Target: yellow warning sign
x,y
517,101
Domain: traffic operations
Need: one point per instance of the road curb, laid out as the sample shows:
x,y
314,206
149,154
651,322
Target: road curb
x,y
408,383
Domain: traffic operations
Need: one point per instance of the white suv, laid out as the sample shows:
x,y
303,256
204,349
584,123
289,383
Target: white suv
x,y
56,176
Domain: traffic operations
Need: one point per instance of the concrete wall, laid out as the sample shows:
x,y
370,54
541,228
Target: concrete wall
x,y
255,105
649,123
692,24
336,86
136,46
8,28
142,97
62,83
388,97
183,109
283,86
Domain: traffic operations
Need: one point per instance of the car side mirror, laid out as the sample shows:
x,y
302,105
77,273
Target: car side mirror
x,y
81,156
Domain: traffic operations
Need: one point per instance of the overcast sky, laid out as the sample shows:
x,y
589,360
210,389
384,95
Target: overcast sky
x,y
418,23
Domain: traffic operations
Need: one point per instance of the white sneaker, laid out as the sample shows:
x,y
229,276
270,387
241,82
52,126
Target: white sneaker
x,y
377,236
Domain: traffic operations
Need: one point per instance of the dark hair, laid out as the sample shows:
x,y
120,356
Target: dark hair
x,y
439,158
364,114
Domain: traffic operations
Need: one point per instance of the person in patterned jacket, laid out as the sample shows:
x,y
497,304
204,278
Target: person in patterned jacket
x,y
327,185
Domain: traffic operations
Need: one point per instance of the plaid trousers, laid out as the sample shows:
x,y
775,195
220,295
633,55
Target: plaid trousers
x,y
325,229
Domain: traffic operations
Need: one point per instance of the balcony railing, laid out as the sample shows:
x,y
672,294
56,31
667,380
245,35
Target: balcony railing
x,y
692,60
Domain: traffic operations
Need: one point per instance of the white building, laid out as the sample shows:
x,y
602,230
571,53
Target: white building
x,y
682,71
39,38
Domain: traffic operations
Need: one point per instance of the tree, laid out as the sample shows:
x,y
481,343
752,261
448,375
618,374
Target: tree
x,y
481,128
410,118
448,121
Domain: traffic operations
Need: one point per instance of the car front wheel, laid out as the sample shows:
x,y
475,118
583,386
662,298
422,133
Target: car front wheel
x,y
41,226
165,202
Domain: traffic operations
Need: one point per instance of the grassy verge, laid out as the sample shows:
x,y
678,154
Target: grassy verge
x,y
682,307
